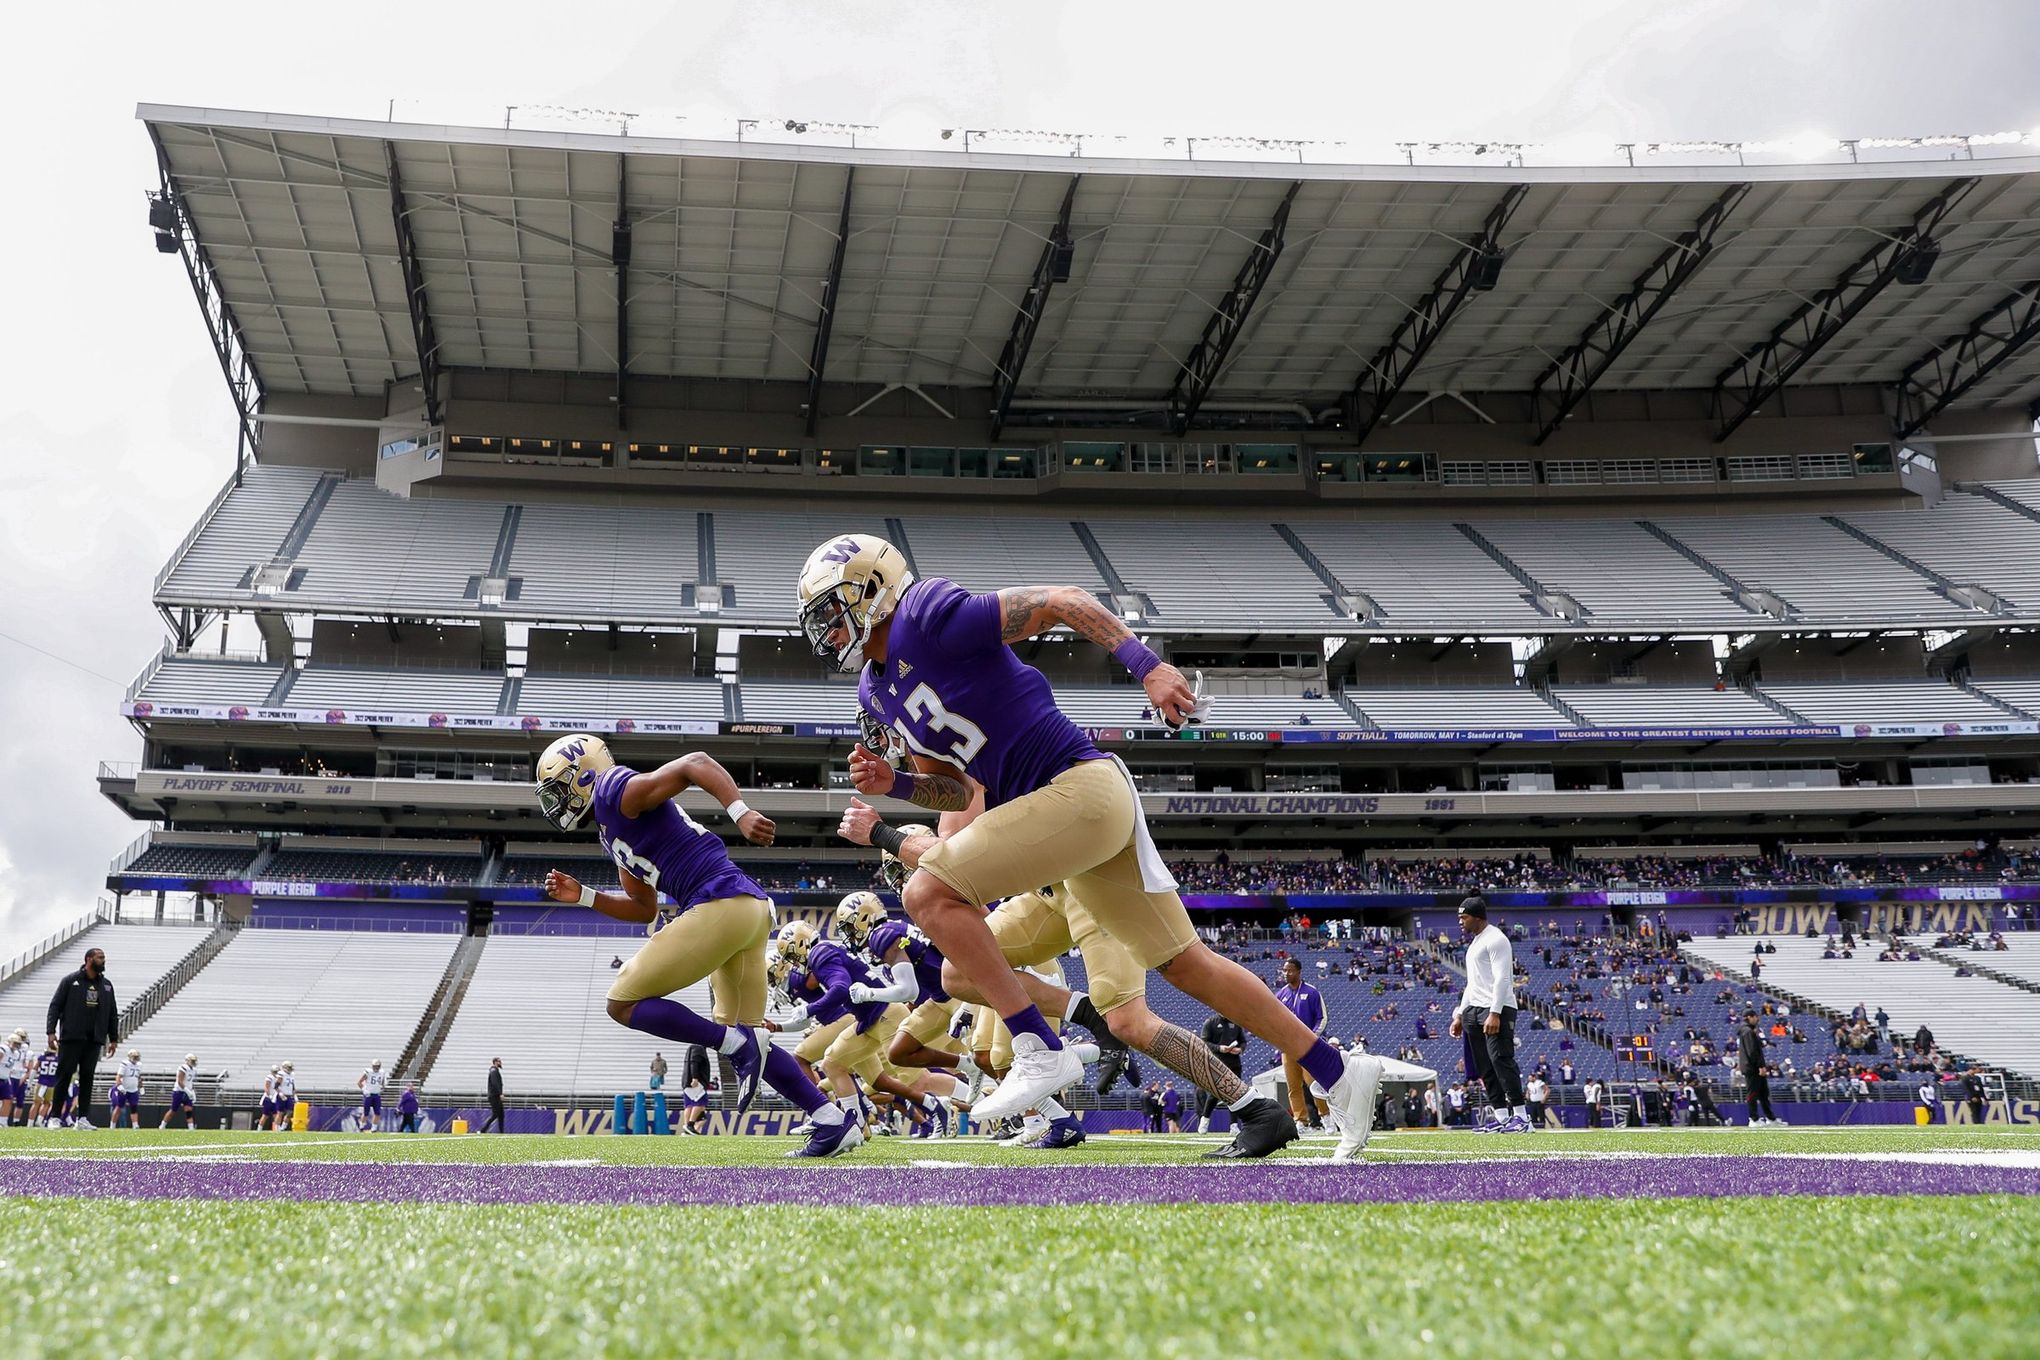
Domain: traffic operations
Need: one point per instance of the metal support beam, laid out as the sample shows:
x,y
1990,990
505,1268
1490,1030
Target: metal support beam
x,y
619,256
1762,371
1573,374
1201,368
1020,336
230,345
818,360
1937,380
1391,370
422,334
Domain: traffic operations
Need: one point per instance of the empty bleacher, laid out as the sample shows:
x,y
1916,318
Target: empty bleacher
x,y
372,549
1423,575
196,680
760,555
1621,572
193,861
1890,701
1666,706
620,558
403,691
1966,538
1811,565
353,866
2023,695
799,701
993,552
137,957
537,1002
1232,573
328,1001
2020,957
1974,1016
1445,706
663,698
245,532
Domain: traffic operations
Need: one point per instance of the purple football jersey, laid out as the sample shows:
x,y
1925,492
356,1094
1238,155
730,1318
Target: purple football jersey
x,y
953,690
921,952
666,848
825,985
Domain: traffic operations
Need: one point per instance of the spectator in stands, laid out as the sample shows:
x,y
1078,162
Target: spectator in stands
x,y
495,1119
82,1021
1923,1039
1565,1072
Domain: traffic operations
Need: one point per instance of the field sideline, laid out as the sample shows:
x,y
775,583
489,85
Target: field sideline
x,y
1885,1241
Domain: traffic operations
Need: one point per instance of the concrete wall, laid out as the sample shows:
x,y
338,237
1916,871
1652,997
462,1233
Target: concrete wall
x,y
340,643
599,653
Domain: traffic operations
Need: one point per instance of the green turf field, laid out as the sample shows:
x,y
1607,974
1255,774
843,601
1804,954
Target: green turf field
x,y
1940,1275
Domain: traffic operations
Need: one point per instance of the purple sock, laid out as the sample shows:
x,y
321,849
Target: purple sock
x,y
671,1020
783,1074
1324,1064
1029,1021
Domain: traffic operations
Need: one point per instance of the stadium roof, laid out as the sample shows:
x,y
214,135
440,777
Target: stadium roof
x,y
732,247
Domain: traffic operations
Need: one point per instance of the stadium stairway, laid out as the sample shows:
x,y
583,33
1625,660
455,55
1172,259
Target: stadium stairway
x,y
1962,683
429,1037
187,968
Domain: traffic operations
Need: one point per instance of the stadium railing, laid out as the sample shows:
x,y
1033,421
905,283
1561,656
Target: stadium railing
x,y
49,944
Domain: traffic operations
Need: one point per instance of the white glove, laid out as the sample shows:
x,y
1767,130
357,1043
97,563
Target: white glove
x,y
794,1019
859,993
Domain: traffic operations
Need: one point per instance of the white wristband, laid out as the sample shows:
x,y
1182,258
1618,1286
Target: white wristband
x,y
587,896
737,810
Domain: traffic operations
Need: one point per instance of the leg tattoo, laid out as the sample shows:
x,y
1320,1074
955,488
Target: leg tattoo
x,y
1186,1056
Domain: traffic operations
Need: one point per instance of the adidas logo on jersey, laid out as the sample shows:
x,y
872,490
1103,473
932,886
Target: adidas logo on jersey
x,y
904,669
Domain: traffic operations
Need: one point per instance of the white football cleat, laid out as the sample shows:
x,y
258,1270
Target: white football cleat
x,y
1352,1102
1038,1073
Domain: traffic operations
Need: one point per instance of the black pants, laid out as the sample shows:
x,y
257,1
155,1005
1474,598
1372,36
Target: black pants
x,y
79,1058
495,1114
1207,1103
1537,1112
1759,1093
410,1124
1494,1057
1593,1114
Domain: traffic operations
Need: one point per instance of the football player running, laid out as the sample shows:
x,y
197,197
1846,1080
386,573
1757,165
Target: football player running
x,y
723,917
939,670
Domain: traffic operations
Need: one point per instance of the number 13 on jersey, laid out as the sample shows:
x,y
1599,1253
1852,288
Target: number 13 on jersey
x,y
967,738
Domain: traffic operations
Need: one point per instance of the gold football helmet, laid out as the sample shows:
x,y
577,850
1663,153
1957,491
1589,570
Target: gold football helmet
x,y
566,779
857,915
855,580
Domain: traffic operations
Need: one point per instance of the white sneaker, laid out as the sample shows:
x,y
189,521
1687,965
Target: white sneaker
x,y
84,1124
1779,1124
1038,1074
1352,1102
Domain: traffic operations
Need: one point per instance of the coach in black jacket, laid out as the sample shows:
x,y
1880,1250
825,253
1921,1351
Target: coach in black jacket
x,y
83,1017
1226,1041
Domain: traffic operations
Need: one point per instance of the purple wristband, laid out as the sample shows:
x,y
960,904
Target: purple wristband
x,y
1137,657
902,786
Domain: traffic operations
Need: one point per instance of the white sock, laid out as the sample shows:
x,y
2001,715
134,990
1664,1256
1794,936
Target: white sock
x,y
1521,1112
732,1040
1052,1109
1242,1103
831,1115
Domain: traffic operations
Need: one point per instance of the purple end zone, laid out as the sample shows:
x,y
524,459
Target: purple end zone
x,y
841,1185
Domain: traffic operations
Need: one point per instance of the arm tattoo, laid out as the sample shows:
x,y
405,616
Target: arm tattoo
x,y
1018,611
940,793
1174,1049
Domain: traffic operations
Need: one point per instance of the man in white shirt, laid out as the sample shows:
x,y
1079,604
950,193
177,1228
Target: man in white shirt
x,y
1536,1092
126,1097
1593,1096
1489,1006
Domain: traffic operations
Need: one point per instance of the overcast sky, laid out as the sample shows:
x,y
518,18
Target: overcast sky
x,y
117,427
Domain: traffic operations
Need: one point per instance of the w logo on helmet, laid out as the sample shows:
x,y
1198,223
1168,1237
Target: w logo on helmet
x,y
841,551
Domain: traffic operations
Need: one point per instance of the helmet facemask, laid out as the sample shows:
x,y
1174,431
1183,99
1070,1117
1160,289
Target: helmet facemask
x,y
822,615
564,805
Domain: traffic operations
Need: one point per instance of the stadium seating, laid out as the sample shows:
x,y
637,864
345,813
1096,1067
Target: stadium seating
x,y
987,552
193,861
2023,695
193,680
348,866
1231,573
1443,706
245,532
1666,706
1974,1016
634,558
1966,538
369,548
137,957
328,1001
833,701
402,691
623,696
2020,958
1620,572
537,1002
1895,701
1816,568
1425,575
